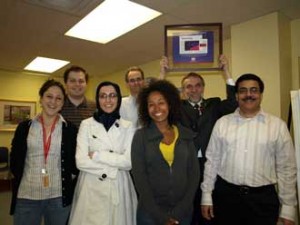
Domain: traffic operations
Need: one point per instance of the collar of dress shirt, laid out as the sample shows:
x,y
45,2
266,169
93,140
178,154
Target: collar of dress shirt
x,y
36,118
261,115
199,103
132,99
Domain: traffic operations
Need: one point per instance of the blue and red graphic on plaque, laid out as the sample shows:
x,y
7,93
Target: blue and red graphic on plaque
x,y
195,48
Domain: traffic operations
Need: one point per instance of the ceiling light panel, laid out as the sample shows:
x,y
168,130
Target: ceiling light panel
x,y
47,65
112,19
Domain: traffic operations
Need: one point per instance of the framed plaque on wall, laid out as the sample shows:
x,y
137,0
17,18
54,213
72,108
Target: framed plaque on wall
x,y
193,47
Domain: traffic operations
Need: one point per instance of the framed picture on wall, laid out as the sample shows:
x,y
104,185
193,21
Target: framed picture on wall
x,y
12,112
193,47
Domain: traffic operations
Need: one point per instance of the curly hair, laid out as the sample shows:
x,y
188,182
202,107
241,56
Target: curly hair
x,y
169,92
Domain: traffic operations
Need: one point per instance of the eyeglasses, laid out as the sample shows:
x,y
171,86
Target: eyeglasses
x,y
106,96
253,90
132,80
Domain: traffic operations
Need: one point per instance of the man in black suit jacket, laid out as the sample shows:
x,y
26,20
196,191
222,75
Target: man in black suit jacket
x,y
202,119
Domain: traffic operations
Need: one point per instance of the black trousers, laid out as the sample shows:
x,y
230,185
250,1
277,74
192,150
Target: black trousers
x,y
243,205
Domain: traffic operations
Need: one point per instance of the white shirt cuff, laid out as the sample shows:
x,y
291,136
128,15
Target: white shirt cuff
x,y
206,198
230,82
288,212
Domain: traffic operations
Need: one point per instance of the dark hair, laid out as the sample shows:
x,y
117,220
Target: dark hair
x,y
192,74
118,91
75,69
133,68
150,80
170,93
107,119
250,76
50,83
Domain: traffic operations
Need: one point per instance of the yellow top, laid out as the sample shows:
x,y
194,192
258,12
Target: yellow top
x,y
168,150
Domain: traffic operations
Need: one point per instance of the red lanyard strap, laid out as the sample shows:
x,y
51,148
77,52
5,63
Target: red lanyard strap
x,y
47,141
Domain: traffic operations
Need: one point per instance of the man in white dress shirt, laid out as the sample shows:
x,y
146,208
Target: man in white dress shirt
x,y
134,79
250,151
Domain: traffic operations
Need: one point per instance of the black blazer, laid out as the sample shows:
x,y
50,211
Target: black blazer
x,y
203,125
68,164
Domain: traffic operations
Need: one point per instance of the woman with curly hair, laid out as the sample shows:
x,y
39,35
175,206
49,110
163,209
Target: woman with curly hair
x,y
164,163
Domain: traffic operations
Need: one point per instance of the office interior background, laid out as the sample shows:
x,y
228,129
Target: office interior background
x,y
259,36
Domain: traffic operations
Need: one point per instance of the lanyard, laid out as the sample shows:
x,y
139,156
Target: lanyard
x,y
47,141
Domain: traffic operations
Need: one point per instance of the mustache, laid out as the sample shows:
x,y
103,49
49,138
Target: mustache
x,y
248,98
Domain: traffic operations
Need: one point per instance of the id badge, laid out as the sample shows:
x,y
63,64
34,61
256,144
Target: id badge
x,y
45,178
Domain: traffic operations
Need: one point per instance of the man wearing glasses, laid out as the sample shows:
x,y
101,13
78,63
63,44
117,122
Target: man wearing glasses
x,y
134,79
250,151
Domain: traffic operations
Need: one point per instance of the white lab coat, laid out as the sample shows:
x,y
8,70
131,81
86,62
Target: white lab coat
x,y
104,193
